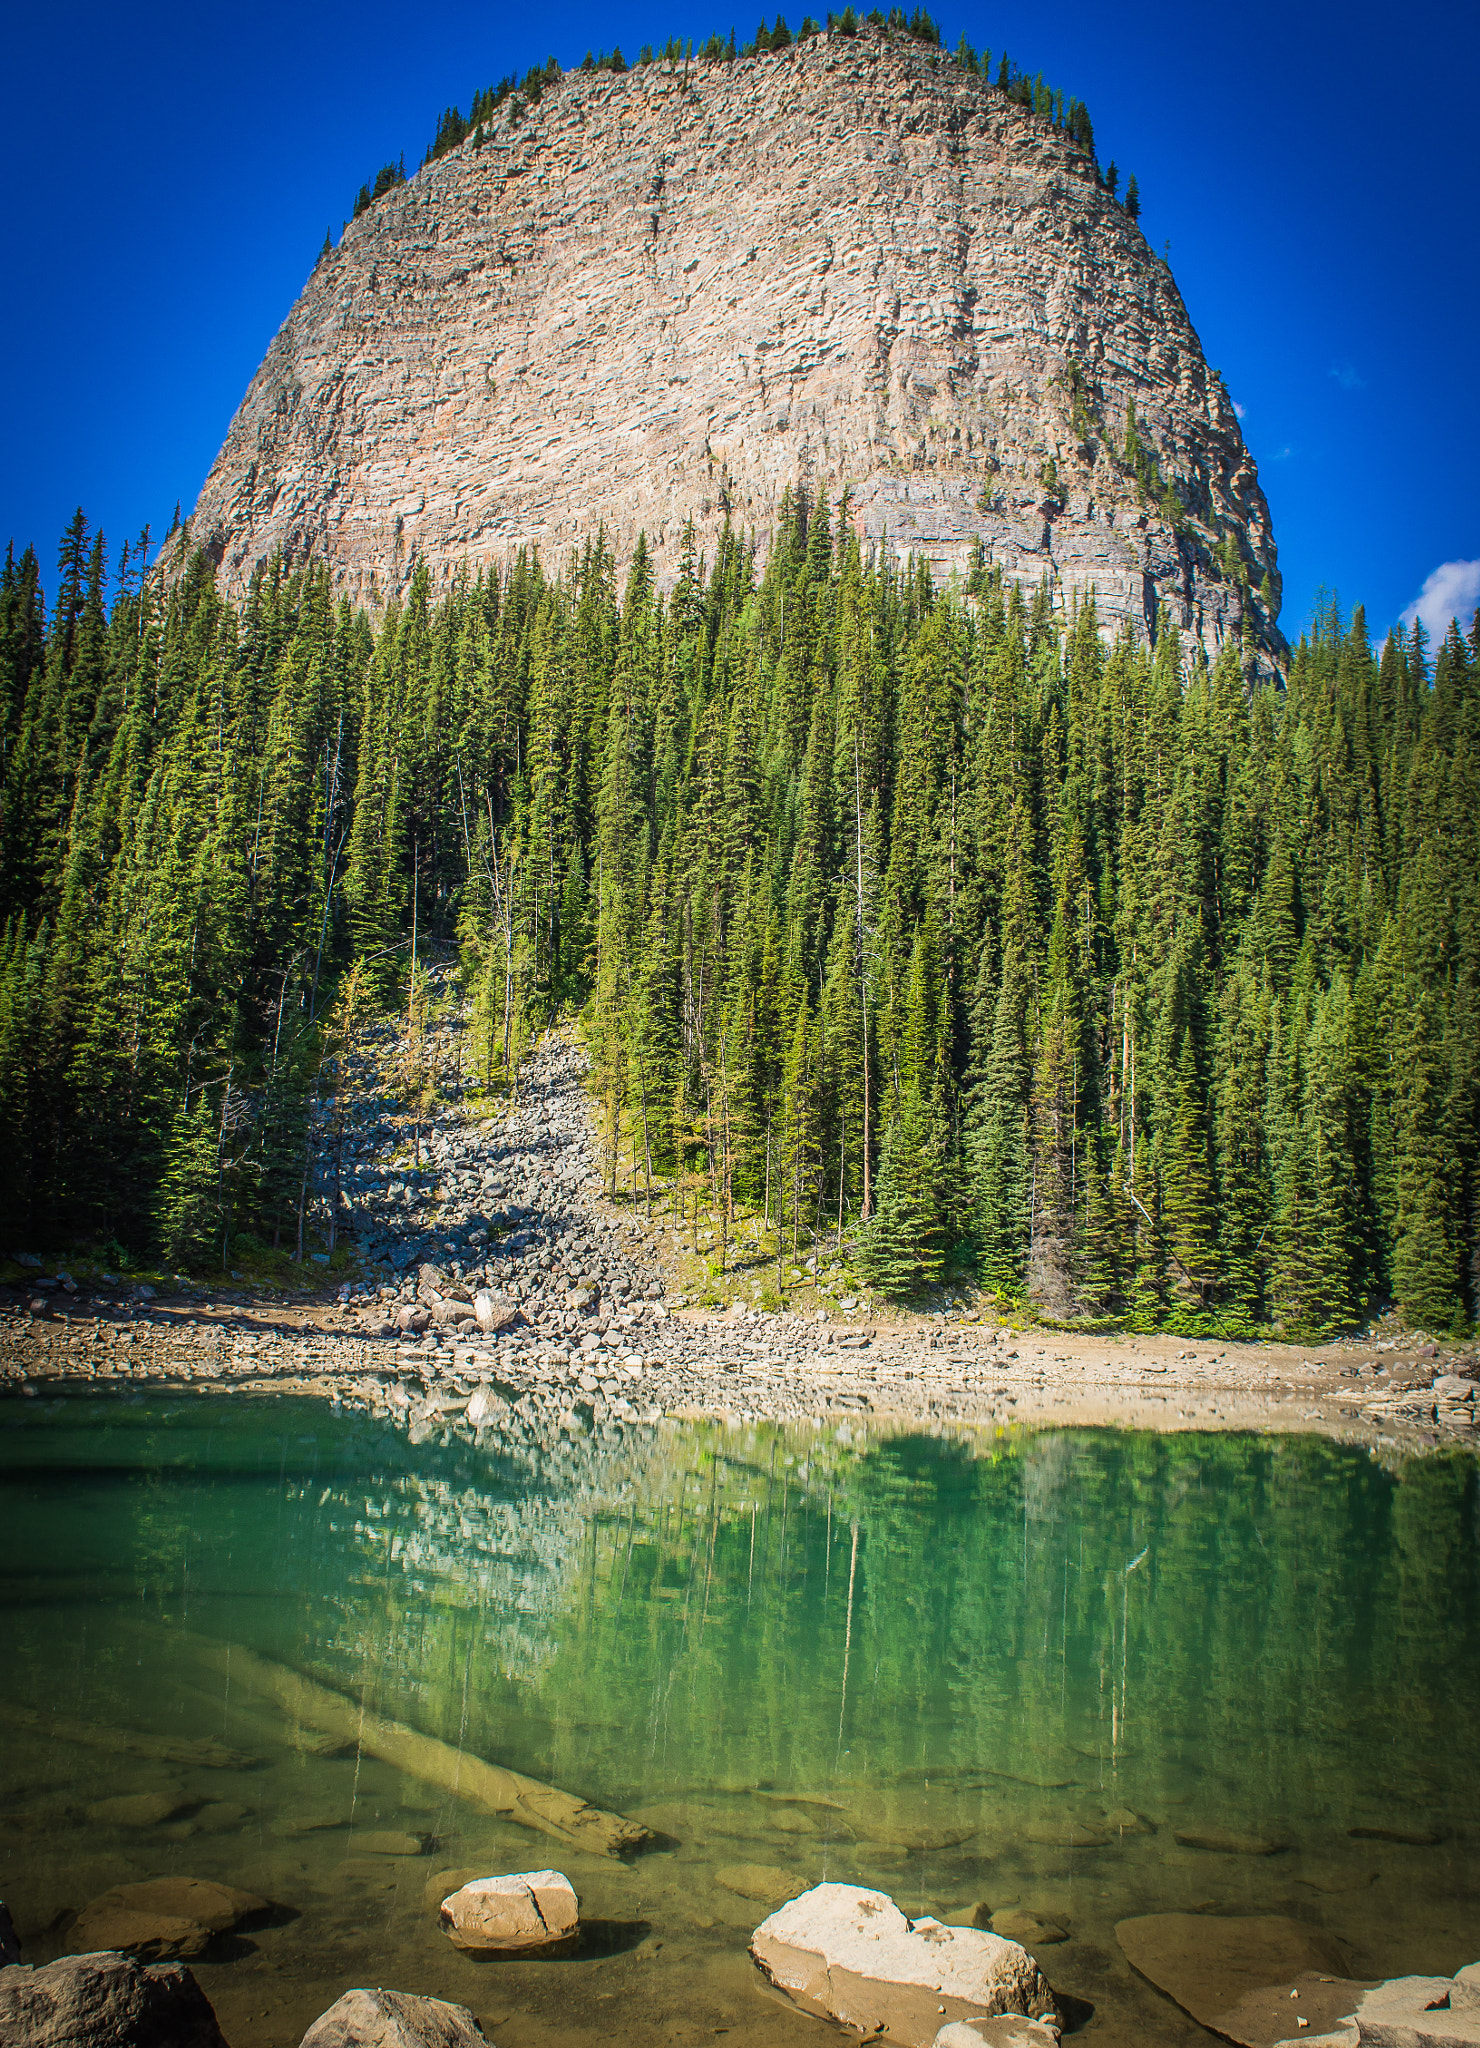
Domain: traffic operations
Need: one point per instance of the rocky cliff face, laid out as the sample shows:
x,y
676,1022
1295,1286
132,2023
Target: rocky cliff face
x,y
849,265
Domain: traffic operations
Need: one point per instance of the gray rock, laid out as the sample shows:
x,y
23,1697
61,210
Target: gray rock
x,y
105,2001
822,316
393,2019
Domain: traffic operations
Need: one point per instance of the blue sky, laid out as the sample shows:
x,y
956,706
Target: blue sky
x,y
170,172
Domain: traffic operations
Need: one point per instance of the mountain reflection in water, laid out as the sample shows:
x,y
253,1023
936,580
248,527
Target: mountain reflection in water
x,y
1008,1669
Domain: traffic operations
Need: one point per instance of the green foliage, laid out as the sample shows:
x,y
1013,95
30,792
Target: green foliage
x,y
386,180
893,912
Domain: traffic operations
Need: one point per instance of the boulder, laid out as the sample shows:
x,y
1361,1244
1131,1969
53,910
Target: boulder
x,y
1235,1975
163,1919
105,2001
1421,2012
393,2019
1007,2032
492,1315
527,1913
849,1954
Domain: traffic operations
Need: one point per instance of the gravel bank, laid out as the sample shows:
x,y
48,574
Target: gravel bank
x,y
499,1290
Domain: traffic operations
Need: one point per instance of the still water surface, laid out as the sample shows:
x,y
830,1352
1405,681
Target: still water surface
x,y
1007,1669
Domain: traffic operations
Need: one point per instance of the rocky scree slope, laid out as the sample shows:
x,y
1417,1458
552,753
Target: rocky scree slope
x,y
673,293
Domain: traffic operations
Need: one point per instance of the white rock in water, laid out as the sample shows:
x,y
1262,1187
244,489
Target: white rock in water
x,y
528,1912
1007,2032
393,2019
849,1954
1418,2012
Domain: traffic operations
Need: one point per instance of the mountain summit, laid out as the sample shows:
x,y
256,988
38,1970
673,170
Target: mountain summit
x,y
853,265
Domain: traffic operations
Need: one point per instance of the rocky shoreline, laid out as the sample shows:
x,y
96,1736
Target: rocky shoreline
x,y
496,1287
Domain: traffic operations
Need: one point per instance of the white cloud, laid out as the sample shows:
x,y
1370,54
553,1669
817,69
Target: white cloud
x,y
1452,591
1239,410
1348,376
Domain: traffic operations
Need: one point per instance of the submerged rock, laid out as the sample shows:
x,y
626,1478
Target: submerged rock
x,y
1408,1837
849,1954
105,2001
1228,1842
528,1912
136,1809
163,1919
1230,1974
765,1883
393,2019
1016,1923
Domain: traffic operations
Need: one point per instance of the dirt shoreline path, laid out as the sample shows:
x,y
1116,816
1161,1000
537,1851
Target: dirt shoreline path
x,y
498,1289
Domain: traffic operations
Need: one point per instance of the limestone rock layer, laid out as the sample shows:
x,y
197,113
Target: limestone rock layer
x,y
850,265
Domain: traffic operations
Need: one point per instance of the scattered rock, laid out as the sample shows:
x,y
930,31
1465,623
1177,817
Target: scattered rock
x,y
218,1817
1066,1834
136,1810
763,1882
529,1912
105,2001
1015,1923
393,2019
1411,1838
1221,1971
1228,1842
162,1920
848,1954
792,1820
1123,1820
492,1315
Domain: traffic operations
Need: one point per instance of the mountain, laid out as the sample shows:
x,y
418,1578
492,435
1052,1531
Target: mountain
x,y
854,264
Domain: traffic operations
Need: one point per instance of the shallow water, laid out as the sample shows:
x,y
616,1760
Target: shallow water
x,y
961,1669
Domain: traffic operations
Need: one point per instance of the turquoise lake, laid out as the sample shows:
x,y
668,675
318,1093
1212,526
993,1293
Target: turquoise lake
x,y
1002,1672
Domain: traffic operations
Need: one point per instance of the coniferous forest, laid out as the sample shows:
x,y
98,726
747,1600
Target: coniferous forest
x,y
924,917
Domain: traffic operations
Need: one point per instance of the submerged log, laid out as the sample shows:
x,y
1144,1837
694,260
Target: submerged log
x,y
190,1751
489,1787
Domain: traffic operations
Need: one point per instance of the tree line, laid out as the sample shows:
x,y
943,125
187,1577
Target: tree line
x,y
1062,112
922,918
